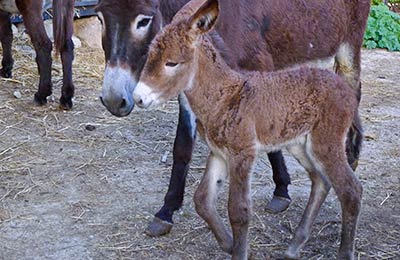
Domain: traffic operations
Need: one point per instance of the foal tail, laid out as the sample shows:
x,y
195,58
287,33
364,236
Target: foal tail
x,y
63,15
353,141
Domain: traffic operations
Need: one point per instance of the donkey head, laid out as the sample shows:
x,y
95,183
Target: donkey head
x,y
171,64
128,28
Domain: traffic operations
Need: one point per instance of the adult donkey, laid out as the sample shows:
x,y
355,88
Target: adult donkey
x,y
31,11
262,35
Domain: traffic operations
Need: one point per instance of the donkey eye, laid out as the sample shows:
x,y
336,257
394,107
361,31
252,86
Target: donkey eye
x,y
143,23
171,64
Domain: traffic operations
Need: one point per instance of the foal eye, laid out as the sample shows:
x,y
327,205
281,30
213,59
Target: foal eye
x,y
171,64
143,23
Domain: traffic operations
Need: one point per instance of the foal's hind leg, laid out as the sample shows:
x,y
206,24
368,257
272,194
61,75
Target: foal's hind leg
x,y
348,66
319,190
32,14
330,152
205,199
6,38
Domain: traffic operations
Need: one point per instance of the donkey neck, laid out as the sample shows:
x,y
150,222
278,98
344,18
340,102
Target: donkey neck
x,y
214,83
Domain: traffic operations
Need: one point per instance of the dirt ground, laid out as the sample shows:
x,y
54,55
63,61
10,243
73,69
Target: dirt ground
x,y
83,184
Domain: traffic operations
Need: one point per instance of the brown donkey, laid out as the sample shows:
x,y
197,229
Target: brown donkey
x,y
307,111
31,11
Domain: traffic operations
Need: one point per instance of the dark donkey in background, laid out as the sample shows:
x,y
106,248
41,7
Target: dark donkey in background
x,y
261,35
31,10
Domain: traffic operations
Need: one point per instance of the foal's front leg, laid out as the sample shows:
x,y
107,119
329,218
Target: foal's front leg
x,y
239,204
183,148
6,38
32,14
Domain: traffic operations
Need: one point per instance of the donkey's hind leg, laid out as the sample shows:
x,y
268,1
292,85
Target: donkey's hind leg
x,y
6,38
32,14
348,66
206,196
319,190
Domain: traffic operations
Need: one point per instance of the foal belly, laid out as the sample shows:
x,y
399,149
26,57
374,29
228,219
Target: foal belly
x,y
9,6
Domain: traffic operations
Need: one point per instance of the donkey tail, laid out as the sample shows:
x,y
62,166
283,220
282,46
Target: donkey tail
x,y
354,141
63,14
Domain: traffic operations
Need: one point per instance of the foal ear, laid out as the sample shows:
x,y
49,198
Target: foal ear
x,y
205,17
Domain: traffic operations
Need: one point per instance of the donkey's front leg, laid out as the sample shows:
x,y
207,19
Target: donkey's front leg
x,y
6,38
182,155
205,199
239,204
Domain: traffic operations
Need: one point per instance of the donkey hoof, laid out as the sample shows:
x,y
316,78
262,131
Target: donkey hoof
x,y
65,103
5,73
278,204
158,227
40,100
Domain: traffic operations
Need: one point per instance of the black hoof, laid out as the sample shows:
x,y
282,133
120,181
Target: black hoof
x,y
278,204
158,227
5,73
40,100
66,103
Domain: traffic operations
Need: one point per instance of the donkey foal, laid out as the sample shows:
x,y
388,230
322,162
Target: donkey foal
x,y
308,111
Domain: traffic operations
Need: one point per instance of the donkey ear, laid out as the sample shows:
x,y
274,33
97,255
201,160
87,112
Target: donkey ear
x,y
205,17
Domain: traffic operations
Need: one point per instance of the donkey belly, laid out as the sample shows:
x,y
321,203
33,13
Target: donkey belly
x,y
9,6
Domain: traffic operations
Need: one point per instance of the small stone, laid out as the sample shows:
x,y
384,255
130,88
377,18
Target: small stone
x,y
90,127
17,94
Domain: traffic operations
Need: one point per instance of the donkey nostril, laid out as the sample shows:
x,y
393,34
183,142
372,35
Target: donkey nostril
x,y
139,102
123,103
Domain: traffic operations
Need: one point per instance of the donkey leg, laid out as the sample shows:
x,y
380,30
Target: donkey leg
x,y
182,155
205,199
319,190
281,199
68,88
348,66
32,14
330,151
239,204
6,38
63,29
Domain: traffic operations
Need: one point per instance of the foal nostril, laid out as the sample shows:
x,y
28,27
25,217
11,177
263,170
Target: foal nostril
x,y
123,103
139,102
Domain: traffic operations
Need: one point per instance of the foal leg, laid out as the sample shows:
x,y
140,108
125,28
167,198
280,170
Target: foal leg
x,y
239,204
6,38
32,14
319,190
281,200
205,199
349,192
182,155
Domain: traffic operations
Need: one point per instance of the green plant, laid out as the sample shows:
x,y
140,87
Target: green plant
x,y
383,29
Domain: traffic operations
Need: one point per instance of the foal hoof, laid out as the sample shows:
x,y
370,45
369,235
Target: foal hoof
x,y
354,165
40,100
291,255
278,204
65,103
158,227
